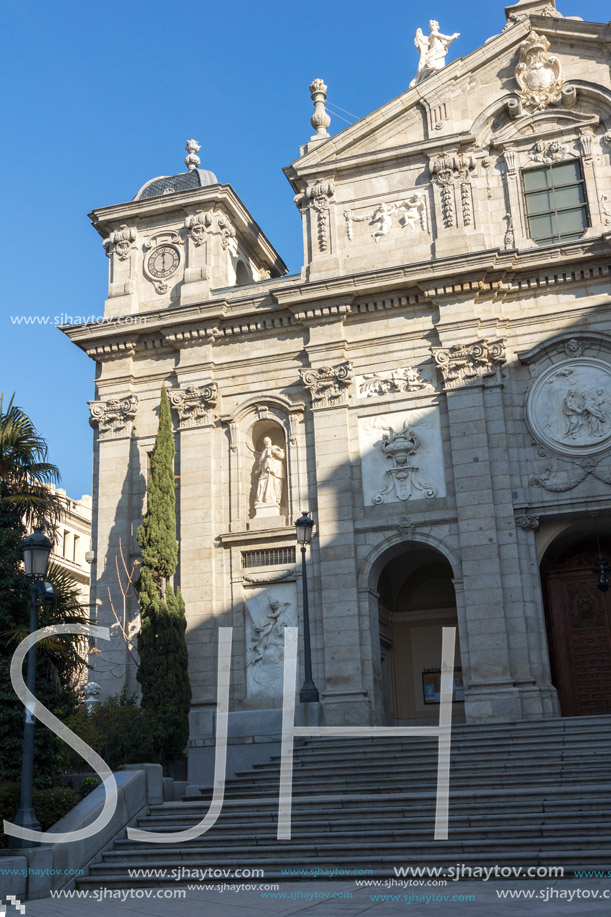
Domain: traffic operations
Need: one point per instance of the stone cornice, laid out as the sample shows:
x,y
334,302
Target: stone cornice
x,y
489,274
105,219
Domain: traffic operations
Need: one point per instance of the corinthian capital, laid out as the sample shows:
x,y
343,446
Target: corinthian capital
x,y
193,405
328,385
464,364
112,417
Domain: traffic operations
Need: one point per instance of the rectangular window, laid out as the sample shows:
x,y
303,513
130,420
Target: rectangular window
x,y
556,203
268,557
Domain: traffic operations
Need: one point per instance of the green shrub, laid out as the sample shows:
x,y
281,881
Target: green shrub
x,y
117,729
88,785
50,805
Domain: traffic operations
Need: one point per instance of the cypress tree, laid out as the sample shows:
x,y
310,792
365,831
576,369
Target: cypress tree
x,y
163,670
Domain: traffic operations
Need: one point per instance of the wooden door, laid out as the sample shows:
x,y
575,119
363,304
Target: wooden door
x,y
579,633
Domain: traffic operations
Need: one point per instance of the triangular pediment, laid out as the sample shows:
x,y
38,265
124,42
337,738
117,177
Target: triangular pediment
x,y
451,106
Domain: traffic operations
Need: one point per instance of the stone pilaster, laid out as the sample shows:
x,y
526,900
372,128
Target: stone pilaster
x,y
112,419
337,629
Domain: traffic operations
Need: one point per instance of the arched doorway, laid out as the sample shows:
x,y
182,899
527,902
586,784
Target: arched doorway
x,y
416,600
578,618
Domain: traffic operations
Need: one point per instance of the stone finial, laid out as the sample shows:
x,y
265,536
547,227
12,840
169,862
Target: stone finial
x,y
320,120
192,160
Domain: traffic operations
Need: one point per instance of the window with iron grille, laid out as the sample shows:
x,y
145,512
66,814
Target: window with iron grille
x,y
556,203
268,557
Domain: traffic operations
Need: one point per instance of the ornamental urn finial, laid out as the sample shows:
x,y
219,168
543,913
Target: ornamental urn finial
x,y
320,120
192,160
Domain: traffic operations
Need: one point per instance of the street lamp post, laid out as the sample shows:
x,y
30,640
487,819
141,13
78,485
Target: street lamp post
x,y
36,550
309,691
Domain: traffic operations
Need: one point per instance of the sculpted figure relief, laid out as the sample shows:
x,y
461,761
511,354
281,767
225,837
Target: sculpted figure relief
x,y
585,411
265,648
271,475
433,49
569,407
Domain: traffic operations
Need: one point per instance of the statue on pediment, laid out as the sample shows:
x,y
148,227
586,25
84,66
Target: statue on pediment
x,y
433,49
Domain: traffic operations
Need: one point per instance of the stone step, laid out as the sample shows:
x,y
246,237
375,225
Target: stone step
x,y
385,743
522,749
339,820
395,851
594,757
486,796
391,831
360,784
520,795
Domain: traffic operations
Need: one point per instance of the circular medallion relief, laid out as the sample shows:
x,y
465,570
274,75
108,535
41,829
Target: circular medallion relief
x,y
163,261
569,407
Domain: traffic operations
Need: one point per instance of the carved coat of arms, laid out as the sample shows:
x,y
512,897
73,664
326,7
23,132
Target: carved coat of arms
x,y
538,73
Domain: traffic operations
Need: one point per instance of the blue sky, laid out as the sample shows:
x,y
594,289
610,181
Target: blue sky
x,y
100,97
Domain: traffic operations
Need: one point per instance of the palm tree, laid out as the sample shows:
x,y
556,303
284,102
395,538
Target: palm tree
x,y
25,472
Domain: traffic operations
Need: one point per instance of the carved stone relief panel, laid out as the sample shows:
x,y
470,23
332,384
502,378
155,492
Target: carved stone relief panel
x,y
401,456
569,407
269,610
393,382
409,213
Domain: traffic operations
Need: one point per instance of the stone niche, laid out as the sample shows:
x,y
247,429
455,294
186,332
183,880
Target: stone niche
x,y
269,610
268,492
402,456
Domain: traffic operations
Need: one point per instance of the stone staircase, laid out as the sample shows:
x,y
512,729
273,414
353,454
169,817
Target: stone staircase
x,y
521,794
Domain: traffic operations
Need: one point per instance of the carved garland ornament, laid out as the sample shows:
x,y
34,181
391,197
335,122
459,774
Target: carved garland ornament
x,y
196,225
193,404
465,364
328,384
408,379
112,417
448,169
538,74
119,242
317,196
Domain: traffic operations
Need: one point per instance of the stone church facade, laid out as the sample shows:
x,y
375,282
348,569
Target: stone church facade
x,y
434,387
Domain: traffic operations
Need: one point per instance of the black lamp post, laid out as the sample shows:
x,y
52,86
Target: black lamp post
x,y
36,550
601,565
309,691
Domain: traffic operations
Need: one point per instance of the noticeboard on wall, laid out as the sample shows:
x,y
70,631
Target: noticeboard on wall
x,y
431,686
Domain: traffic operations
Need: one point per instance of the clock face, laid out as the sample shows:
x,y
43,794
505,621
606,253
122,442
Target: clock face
x,y
163,261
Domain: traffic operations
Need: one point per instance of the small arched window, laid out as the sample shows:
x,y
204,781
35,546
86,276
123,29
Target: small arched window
x,y
242,274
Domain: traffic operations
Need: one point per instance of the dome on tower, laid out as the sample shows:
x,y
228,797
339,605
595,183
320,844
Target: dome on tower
x,y
184,181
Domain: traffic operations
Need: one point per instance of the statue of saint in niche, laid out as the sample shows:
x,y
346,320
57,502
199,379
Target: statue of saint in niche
x,y
270,472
